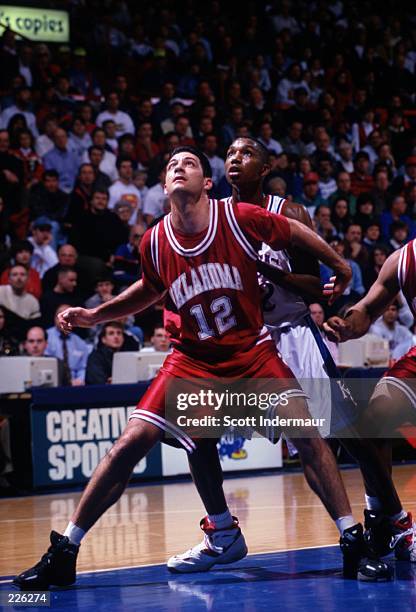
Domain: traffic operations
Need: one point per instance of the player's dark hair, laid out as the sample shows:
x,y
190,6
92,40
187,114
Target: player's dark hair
x,y
206,167
264,152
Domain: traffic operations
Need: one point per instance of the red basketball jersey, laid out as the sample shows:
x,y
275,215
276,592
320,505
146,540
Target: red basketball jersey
x,y
407,274
212,278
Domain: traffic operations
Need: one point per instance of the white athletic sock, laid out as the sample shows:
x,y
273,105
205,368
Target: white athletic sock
x,y
344,522
221,521
372,503
74,533
397,517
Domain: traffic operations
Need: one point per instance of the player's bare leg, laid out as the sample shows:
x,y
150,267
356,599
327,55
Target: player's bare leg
x,y
58,565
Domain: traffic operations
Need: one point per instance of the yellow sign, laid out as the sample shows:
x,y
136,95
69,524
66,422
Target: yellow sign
x,y
41,25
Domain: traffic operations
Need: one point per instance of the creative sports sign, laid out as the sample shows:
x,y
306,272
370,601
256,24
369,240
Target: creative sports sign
x,y
38,24
68,444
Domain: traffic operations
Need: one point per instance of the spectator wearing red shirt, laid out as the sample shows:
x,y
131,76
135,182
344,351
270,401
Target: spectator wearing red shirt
x,y
21,255
361,179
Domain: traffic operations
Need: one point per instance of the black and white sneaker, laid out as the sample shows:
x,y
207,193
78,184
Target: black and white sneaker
x,y
356,564
56,567
378,533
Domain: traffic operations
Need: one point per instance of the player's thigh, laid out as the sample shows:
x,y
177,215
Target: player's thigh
x,y
391,405
135,442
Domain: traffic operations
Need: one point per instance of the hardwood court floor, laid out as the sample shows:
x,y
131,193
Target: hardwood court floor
x,y
150,523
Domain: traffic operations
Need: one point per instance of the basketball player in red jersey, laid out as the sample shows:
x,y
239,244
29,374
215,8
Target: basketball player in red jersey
x,y
289,276
204,255
393,402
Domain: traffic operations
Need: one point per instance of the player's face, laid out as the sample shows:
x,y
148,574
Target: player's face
x,y
184,174
244,164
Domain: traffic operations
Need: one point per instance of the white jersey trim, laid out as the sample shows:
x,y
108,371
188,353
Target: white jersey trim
x,y
275,204
401,269
155,419
154,247
237,231
205,242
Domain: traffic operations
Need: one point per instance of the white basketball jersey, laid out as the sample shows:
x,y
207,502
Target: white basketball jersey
x,y
281,307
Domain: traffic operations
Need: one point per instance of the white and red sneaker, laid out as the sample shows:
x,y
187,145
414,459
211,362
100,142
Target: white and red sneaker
x,y
403,540
219,546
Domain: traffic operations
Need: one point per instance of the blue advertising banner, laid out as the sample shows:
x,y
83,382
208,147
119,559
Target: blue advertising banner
x,y
72,429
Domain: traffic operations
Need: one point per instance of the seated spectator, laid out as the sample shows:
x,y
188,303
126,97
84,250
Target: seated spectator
x,y
44,256
44,142
355,288
361,179
11,175
210,148
9,345
323,223
67,257
318,316
139,179
63,292
340,216
64,160
110,130
79,139
159,340
311,196
345,158
327,184
125,189
266,138
21,106
32,164
375,262
399,337
408,177
344,191
365,211
293,143
47,200
396,212
124,211
184,131
100,361
20,305
380,194
36,342
112,111
81,196
108,162
127,268
372,236
354,246
100,231
146,148
399,235
21,254
156,202
71,349
95,157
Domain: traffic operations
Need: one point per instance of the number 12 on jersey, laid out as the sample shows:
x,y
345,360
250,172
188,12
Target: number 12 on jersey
x,y
224,319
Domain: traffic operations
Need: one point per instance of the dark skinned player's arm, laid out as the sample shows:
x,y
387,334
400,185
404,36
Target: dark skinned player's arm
x,y
305,278
359,318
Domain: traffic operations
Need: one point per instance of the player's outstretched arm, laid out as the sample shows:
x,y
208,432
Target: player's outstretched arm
x,y
358,319
132,300
306,239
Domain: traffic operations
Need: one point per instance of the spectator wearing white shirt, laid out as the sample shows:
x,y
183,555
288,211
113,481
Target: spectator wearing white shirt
x,y
44,256
21,106
45,142
156,202
399,337
125,189
14,296
108,163
210,147
123,121
265,137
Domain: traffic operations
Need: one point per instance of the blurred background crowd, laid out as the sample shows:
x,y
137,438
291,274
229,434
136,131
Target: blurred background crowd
x,y
86,128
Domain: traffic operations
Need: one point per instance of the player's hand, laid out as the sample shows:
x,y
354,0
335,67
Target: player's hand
x,y
75,317
337,329
341,282
328,289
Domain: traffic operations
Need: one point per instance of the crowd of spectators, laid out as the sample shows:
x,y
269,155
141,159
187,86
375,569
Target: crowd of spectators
x,y
86,128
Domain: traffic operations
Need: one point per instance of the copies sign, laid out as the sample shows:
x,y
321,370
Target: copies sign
x,y
41,25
